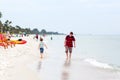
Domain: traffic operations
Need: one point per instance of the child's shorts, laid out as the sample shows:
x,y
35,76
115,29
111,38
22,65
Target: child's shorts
x,y
41,50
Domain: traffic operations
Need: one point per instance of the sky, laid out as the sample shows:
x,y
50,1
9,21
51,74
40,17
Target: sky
x,y
79,16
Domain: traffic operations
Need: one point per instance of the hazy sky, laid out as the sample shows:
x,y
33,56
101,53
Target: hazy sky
x,y
79,16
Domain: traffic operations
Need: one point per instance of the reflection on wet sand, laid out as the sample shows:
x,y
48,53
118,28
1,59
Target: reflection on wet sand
x,y
66,70
39,65
67,63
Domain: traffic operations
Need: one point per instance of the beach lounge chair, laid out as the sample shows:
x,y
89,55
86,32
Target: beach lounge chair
x,y
5,42
2,43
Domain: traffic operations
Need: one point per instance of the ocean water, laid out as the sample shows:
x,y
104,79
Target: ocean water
x,y
96,57
99,50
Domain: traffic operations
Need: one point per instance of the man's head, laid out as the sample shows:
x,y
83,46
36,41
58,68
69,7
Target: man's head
x,y
71,33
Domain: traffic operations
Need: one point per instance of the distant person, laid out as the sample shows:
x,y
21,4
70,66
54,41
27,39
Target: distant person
x,y
69,43
41,47
51,38
36,36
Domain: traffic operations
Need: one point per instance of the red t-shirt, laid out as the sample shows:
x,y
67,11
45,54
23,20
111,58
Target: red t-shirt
x,y
69,41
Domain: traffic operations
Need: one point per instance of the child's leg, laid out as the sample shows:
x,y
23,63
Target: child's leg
x,y
41,52
41,55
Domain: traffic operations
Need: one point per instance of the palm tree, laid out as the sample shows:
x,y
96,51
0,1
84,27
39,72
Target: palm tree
x,y
0,14
7,26
27,30
43,31
18,28
1,26
1,23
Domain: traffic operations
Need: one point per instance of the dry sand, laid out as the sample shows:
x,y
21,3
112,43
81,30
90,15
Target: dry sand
x,y
13,61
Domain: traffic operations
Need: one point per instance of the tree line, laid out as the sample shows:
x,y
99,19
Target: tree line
x,y
7,26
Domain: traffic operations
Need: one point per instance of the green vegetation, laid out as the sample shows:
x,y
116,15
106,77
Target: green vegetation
x,y
7,26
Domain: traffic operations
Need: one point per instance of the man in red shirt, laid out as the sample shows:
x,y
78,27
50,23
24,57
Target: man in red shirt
x,y
69,43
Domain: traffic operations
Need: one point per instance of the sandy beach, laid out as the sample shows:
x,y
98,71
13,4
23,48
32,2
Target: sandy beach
x,y
22,62
13,61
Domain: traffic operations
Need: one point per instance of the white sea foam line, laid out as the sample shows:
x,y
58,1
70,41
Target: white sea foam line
x,y
98,64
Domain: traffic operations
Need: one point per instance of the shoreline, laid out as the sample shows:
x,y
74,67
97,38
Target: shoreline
x,y
22,62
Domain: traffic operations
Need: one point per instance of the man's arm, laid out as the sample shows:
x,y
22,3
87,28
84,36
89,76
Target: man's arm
x,y
74,44
65,43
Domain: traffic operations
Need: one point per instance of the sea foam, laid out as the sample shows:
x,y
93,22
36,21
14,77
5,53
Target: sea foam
x,y
98,64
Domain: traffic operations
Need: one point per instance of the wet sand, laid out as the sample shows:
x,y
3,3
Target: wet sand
x,y
74,69
23,63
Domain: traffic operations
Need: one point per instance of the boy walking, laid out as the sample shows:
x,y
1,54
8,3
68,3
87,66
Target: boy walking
x,y
41,47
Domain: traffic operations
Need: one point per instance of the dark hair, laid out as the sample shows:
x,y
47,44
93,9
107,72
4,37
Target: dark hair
x,y
41,39
71,33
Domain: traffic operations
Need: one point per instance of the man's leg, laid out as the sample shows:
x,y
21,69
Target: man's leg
x,y
66,50
70,51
